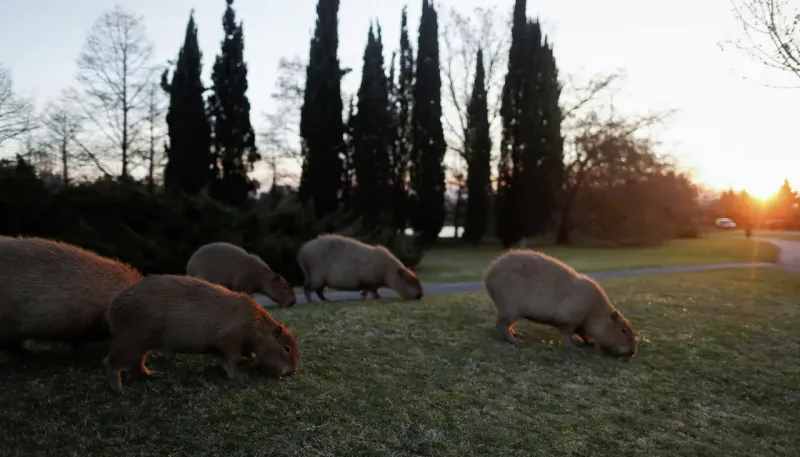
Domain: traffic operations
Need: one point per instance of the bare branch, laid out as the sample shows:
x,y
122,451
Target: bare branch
x,y
462,36
16,114
770,29
115,74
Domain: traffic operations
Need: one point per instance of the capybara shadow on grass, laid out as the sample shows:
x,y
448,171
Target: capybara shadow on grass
x,y
527,284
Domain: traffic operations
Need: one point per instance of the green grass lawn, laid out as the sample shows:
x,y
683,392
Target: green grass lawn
x,y
468,264
716,374
791,235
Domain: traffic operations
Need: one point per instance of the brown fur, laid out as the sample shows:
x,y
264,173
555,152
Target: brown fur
x,y
233,267
54,291
182,314
534,286
344,263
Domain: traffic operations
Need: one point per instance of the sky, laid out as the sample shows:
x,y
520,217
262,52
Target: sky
x,y
729,128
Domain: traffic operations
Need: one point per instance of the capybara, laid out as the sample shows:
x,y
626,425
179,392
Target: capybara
x,y
233,267
344,263
182,314
55,291
531,285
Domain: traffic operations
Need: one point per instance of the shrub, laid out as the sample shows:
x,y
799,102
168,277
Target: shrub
x,y
157,233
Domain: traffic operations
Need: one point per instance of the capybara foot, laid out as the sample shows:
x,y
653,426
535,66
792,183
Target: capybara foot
x,y
233,372
114,377
503,325
508,335
364,294
157,355
568,341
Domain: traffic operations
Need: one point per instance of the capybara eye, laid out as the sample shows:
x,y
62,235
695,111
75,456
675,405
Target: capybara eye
x,y
288,349
624,330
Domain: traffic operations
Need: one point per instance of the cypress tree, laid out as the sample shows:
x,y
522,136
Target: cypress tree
x,y
427,172
349,173
543,155
321,125
190,163
509,228
402,144
371,135
478,149
234,138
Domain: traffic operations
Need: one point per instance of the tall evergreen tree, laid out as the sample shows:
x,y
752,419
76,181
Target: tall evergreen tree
x,y
349,173
478,149
321,126
371,135
531,166
542,170
402,143
190,163
427,172
229,107
509,229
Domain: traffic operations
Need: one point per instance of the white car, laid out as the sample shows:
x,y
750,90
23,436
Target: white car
x,y
725,223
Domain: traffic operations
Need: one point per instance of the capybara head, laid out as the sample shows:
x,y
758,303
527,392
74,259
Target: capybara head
x,y
277,289
405,283
276,349
617,336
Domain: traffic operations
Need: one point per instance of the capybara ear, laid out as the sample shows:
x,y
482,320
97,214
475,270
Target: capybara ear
x,y
615,316
277,331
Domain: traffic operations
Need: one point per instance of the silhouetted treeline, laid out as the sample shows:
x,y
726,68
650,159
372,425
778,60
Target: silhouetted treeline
x,y
157,233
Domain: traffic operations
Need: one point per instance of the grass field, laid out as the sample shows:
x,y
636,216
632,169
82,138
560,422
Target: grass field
x,y
716,374
468,264
779,234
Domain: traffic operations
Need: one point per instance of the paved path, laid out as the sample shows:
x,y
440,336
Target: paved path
x,y
789,259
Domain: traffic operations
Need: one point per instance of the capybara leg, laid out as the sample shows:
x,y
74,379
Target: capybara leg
x,y
143,367
567,336
114,375
504,327
232,367
583,336
364,294
375,294
307,292
320,294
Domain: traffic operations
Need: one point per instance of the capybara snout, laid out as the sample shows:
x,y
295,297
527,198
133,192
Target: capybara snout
x,y
277,352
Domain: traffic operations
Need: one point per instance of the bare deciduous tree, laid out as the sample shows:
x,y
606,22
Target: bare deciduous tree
x,y
770,32
114,71
63,124
462,36
281,132
600,151
156,107
16,113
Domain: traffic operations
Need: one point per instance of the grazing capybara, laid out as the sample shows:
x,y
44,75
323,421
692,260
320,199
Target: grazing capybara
x,y
182,314
531,285
231,266
344,263
55,291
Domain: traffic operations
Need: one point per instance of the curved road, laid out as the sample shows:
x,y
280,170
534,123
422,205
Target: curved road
x,y
789,259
